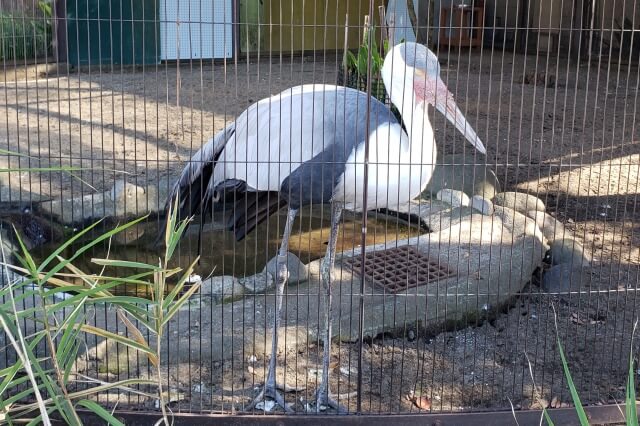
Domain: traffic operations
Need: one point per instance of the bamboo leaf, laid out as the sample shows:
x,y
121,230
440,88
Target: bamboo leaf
x,y
178,304
137,336
175,238
123,264
27,259
631,410
582,416
116,337
180,284
84,248
99,411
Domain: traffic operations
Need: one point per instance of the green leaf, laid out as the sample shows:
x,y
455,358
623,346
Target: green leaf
x,y
29,263
350,61
84,248
631,409
363,55
116,337
123,264
582,416
181,301
179,285
99,411
175,238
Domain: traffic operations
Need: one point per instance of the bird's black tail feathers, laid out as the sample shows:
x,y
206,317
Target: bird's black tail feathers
x,y
252,209
196,196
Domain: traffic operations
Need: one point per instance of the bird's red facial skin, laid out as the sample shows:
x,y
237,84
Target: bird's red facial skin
x,y
432,91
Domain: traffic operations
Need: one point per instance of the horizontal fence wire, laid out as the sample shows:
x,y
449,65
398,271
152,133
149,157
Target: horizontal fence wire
x,y
456,272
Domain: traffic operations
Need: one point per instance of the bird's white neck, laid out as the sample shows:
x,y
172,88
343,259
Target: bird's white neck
x,y
421,139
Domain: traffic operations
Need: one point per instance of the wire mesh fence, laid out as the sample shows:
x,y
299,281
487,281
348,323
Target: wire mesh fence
x,y
300,138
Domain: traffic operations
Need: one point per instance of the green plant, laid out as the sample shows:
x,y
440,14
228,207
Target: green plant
x,y
358,64
631,415
24,37
37,386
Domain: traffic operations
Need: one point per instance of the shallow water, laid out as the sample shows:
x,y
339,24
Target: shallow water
x,y
222,255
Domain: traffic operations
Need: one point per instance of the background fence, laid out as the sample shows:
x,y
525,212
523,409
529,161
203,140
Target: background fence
x,y
114,97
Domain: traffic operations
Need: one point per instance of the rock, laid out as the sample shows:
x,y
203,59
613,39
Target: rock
x,y
258,283
111,357
298,271
123,200
481,204
519,224
314,271
431,214
519,201
454,197
222,289
462,172
551,228
125,197
569,251
563,278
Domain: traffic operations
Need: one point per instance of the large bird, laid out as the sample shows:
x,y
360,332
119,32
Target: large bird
x,y
306,146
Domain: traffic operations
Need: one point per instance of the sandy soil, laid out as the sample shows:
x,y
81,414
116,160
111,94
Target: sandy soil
x,y
575,144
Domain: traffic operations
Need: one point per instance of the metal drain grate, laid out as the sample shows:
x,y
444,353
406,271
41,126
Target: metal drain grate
x,y
399,268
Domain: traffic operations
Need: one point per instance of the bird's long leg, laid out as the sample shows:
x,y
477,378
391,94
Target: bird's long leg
x,y
323,398
269,389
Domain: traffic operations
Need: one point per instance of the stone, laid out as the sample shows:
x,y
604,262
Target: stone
x,y
298,271
463,172
481,204
454,197
222,289
110,357
489,266
519,224
519,201
131,234
563,278
258,283
123,200
431,214
551,228
568,251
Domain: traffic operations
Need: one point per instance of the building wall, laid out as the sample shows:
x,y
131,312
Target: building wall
x,y
307,25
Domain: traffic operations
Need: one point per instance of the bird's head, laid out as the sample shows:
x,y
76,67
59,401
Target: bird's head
x,y
411,75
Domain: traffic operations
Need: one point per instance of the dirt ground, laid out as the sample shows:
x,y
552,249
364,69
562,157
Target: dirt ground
x,y
572,139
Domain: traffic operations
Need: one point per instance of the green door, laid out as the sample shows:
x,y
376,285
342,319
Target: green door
x,y
112,32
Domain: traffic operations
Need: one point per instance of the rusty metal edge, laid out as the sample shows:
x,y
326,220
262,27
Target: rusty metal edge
x,y
601,415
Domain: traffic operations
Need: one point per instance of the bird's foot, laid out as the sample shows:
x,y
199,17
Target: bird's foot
x,y
269,393
323,401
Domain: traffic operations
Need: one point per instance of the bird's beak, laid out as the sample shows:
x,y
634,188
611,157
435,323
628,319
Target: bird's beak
x,y
434,91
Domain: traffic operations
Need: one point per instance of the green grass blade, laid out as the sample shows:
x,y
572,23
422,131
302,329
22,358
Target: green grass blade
x,y
179,285
116,337
29,263
582,416
631,409
547,417
73,355
63,246
99,411
84,248
123,264
178,304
